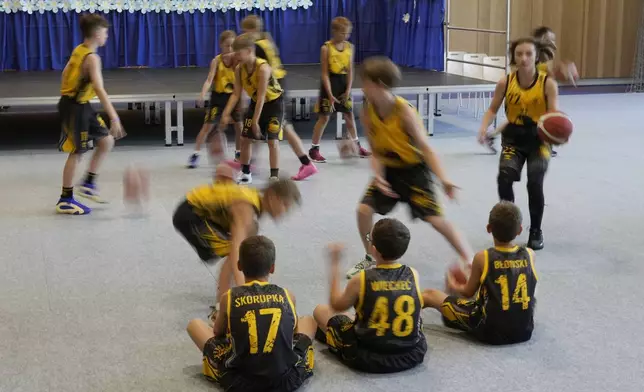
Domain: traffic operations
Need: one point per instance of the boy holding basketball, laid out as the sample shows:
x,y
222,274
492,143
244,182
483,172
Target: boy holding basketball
x,y
82,80
336,58
403,163
386,335
215,218
257,342
265,115
220,82
503,281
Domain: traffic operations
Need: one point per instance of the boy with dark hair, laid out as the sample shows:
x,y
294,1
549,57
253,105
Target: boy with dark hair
x,y
403,163
504,280
336,59
220,82
215,218
257,343
386,335
265,116
82,80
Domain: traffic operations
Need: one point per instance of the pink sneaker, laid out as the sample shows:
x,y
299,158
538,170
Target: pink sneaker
x,y
363,152
305,171
315,156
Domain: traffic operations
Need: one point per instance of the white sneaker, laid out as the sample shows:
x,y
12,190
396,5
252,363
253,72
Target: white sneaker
x,y
273,179
366,263
245,179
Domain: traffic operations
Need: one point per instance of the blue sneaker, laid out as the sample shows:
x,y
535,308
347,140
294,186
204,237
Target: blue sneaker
x,y
193,162
90,191
67,205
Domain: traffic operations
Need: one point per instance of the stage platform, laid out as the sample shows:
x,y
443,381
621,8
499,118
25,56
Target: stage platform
x,y
180,85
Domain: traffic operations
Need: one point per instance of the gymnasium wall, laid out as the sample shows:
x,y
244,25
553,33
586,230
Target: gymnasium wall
x,y
600,36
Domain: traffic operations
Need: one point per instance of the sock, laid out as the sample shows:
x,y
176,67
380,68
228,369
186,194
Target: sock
x,y
315,146
304,160
357,141
90,178
68,193
536,202
196,153
246,169
505,189
275,172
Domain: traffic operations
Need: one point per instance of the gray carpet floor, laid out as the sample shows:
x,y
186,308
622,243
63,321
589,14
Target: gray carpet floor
x,y
101,302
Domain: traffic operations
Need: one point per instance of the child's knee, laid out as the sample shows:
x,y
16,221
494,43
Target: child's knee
x,y
193,324
365,210
323,119
321,314
348,118
273,144
106,143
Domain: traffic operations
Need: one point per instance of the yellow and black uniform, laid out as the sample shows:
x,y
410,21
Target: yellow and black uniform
x,y
222,88
503,311
405,168
339,67
265,49
386,336
260,351
523,108
270,121
80,123
204,218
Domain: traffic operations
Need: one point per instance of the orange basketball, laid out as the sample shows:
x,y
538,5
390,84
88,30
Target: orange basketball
x,y
555,128
136,185
457,273
347,148
567,72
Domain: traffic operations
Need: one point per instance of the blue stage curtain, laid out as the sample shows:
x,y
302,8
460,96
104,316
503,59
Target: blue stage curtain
x,y
34,42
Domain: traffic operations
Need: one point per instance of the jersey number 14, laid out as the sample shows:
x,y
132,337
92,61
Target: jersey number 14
x,y
520,294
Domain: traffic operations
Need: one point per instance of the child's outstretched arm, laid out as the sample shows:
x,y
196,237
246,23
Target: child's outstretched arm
x,y
339,300
347,93
208,83
470,288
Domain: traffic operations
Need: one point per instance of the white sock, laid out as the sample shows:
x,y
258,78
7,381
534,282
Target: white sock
x,y
196,152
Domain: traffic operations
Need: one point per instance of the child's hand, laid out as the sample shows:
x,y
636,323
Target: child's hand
x,y
452,285
335,252
450,189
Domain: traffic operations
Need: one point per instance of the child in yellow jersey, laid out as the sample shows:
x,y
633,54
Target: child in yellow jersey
x,y
336,58
386,335
504,281
265,49
403,163
265,116
258,343
215,218
82,81
220,82
528,94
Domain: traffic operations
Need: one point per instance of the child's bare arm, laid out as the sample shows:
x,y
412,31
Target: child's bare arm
x,y
470,288
212,73
222,316
339,300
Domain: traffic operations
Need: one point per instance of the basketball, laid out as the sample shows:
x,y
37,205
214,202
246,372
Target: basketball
x,y
567,72
555,128
347,148
217,146
136,185
457,273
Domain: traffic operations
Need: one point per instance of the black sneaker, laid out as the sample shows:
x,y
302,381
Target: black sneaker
x,y
535,242
553,153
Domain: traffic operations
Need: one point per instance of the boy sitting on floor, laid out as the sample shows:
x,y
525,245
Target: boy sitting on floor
x,y
257,343
386,335
504,280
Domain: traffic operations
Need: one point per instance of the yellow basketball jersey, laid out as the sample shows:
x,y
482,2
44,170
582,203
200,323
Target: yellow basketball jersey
x,y
523,106
273,59
339,60
389,140
544,67
224,78
250,81
213,201
75,84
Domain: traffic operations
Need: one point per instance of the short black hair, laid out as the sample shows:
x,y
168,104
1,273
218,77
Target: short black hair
x,y
391,238
90,22
505,221
256,256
